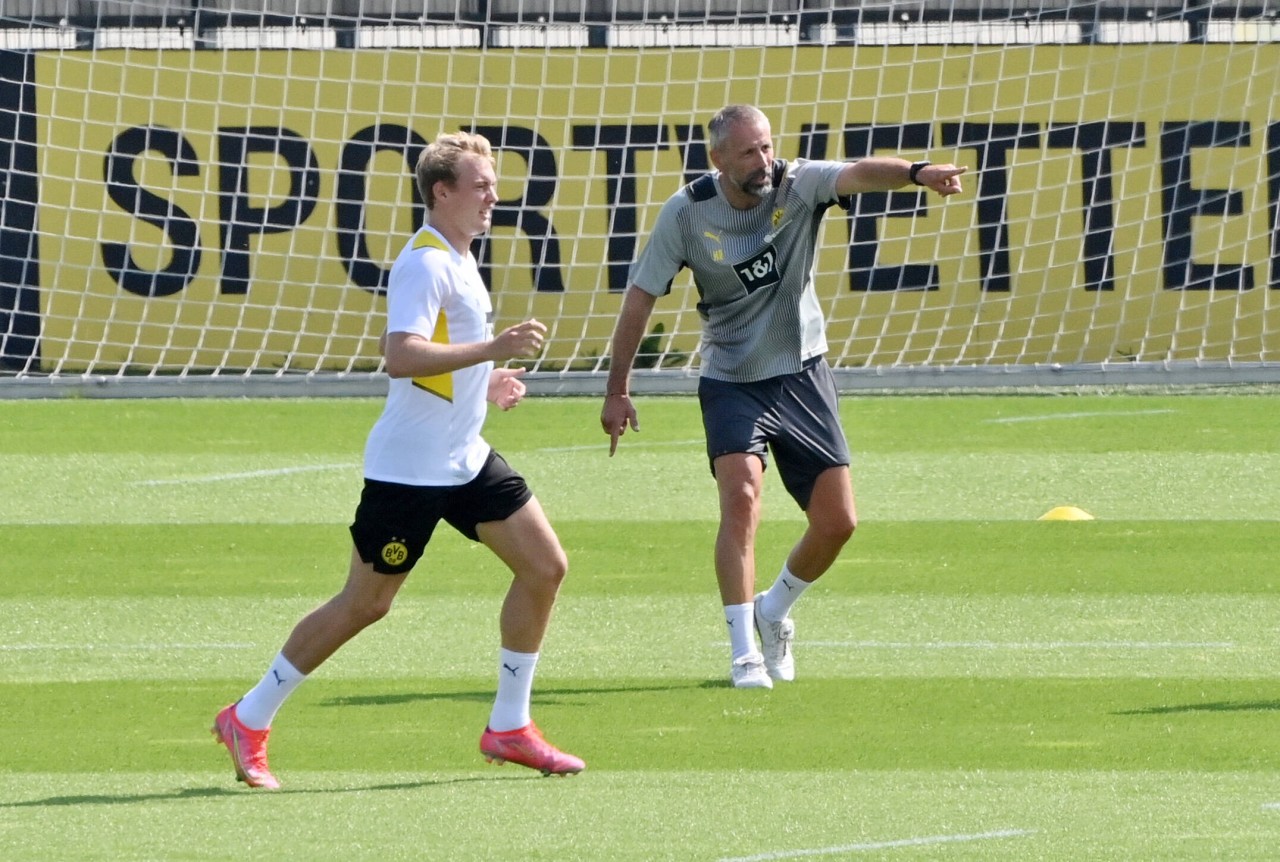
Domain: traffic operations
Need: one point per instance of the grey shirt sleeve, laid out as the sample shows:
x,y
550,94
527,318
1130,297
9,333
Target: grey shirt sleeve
x,y
663,255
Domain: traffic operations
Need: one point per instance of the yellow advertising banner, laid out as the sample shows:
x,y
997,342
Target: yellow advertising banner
x,y
241,209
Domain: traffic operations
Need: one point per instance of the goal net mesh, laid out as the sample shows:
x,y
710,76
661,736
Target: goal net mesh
x,y
197,190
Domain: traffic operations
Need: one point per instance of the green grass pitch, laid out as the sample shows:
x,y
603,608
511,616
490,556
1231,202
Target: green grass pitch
x,y
974,683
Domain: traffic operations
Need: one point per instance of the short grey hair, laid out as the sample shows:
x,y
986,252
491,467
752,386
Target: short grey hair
x,y
729,116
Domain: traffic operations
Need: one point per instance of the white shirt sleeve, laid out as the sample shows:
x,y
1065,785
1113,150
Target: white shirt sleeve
x,y
415,297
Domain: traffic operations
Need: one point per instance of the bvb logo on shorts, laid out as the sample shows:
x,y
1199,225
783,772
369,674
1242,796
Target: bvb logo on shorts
x,y
394,552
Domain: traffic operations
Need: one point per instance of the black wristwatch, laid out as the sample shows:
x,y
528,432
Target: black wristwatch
x,y
914,173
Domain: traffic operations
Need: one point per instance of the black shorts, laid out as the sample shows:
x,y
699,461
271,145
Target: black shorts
x,y
795,415
394,522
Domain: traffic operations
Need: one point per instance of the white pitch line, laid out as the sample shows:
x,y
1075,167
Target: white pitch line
x,y
882,845
1029,645
251,474
1043,417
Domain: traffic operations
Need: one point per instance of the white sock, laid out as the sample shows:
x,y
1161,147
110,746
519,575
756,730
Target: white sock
x,y
258,708
515,689
776,603
742,629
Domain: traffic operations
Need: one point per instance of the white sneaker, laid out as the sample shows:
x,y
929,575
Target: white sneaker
x,y
775,643
749,672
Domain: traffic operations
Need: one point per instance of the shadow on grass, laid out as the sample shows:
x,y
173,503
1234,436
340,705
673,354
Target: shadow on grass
x,y
225,793
716,683
1218,706
540,695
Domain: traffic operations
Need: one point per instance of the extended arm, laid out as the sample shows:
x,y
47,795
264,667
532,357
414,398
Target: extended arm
x,y
885,173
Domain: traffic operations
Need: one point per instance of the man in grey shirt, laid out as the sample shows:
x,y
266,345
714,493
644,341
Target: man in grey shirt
x,y
748,231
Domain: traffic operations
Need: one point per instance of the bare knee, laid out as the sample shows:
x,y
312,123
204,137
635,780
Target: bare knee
x,y
549,573
834,528
363,612
740,503
739,480
740,509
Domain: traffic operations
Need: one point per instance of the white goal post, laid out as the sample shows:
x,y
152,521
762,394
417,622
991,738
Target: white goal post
x,y
204,196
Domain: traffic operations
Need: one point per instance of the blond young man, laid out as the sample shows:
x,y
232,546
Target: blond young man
x,y
425,461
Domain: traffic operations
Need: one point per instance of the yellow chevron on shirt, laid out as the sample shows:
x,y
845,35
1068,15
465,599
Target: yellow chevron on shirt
x,y
427,239
439,384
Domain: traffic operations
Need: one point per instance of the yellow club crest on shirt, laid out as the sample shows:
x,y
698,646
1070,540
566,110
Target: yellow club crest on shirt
x,y
776,218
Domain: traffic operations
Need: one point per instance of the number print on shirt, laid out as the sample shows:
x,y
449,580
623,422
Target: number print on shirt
x,y
759,271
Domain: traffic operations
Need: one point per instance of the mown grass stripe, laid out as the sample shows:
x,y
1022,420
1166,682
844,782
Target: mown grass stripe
x,y
1110,684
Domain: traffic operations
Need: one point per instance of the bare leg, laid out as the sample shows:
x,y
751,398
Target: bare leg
x,y
740,480
364,599
529,546
832,518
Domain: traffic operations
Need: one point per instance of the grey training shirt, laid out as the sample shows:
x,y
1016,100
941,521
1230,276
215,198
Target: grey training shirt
x,y
753,269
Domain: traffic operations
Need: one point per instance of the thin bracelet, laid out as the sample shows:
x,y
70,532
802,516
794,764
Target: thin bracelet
x,y
617,395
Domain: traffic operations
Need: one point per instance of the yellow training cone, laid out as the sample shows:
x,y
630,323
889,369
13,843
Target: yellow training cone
x,y
1065,513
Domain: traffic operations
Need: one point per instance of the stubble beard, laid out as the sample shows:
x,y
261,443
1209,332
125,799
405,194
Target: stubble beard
x,y
759,188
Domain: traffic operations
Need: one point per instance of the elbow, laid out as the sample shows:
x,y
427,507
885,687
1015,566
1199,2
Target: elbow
x,y
397,358
395,367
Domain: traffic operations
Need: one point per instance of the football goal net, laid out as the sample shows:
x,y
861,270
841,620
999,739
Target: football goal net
x,y
208,194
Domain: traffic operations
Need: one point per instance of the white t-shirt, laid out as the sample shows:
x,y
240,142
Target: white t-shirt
x,y
429,431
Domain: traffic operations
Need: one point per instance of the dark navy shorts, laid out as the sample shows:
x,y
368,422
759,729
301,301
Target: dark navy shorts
x,y
794,415
394,522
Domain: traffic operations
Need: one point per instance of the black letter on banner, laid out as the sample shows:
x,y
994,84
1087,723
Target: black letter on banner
x,y
350,194
1183,202
522,213
691,141
813,140
1273,199
124,191
19,240
240,220
992,144
620,144
865,208
1095,141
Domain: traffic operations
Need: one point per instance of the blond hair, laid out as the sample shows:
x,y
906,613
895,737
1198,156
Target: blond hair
x,y
439,161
